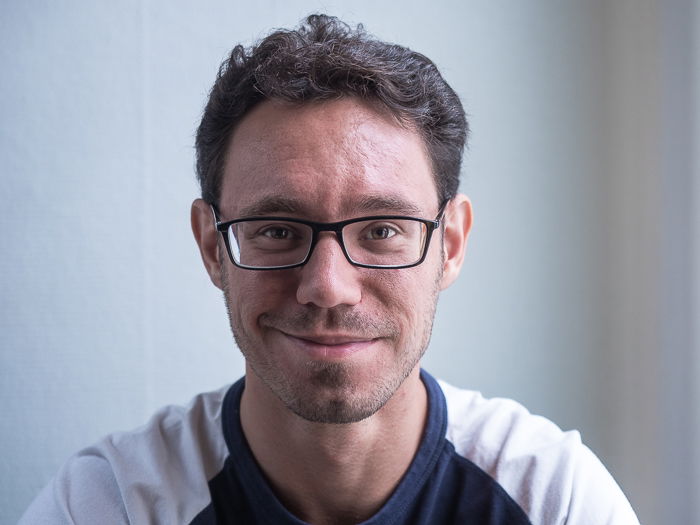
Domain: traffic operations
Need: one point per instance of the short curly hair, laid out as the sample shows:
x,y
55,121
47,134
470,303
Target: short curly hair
x,y
326,59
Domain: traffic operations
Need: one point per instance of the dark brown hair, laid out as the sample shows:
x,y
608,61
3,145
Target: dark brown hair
x,y
327,59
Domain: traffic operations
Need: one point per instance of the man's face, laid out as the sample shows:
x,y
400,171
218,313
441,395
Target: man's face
x,y
332,341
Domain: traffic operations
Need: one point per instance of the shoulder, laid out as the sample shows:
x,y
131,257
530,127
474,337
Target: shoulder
x,y
550,473
83,491
127,475
175,439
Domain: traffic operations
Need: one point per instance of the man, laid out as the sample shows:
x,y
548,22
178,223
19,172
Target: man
x,y
329,165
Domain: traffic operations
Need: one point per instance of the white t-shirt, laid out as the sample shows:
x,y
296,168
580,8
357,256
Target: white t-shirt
x,y
480,461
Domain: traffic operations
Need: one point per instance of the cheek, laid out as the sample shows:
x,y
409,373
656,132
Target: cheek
x,y
252,293
407,294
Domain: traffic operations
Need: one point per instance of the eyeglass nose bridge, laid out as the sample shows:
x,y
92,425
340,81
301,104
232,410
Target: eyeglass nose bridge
x,y
317,229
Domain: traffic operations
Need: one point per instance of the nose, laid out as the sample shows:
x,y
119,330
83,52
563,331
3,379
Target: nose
x,y
328,279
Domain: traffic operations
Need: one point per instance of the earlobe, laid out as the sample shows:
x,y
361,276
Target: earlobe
x,y
207,239
458,223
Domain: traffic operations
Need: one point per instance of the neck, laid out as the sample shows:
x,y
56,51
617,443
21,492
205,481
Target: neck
x,y
334,473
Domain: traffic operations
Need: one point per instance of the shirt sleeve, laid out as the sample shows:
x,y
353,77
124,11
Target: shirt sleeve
x,y
596,498
550,474
84,491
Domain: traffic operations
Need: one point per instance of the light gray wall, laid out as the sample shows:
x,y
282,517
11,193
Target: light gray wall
x,y
108,314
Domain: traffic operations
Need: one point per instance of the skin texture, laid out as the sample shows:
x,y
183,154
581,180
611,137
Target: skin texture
x,y
332,351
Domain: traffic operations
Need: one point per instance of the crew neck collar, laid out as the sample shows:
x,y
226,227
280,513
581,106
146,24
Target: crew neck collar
x,y
271,510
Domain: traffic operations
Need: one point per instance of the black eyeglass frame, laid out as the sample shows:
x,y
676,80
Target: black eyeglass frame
x,y
337,227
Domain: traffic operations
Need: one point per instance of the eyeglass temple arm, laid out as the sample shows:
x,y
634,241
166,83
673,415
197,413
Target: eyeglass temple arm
x,y
441,210
215,214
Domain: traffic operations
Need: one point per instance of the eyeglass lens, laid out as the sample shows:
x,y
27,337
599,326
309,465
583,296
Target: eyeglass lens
x,y
270,243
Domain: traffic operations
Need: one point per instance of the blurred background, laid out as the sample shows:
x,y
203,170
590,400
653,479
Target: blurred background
x,y
581,284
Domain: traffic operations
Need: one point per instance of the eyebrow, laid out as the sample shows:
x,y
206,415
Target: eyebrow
x,y
368,204
272,204
392,203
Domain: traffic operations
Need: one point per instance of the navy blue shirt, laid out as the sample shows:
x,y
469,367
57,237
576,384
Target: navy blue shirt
x,y
480,461
440,486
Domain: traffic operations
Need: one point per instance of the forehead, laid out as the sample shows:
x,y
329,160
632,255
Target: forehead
x,y
325,160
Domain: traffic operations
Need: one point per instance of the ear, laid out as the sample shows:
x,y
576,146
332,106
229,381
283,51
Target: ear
x,y
458,223
207,238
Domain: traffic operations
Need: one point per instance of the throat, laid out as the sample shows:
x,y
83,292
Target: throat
x,y
335,473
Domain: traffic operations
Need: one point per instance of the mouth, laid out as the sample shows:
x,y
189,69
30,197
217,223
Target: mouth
x,y
329,346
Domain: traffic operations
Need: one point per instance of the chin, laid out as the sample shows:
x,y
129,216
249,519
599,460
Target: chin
x,y
336,393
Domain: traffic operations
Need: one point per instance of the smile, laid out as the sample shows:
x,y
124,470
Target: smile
x,y
329,346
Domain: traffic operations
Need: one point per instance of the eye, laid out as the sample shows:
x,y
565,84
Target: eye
x,y
379,232
274,232
277,232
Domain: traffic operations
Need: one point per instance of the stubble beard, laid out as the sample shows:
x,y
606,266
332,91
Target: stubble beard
x,y
344,401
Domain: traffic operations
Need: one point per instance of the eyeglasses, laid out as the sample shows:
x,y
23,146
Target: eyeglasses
x,y
275,243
